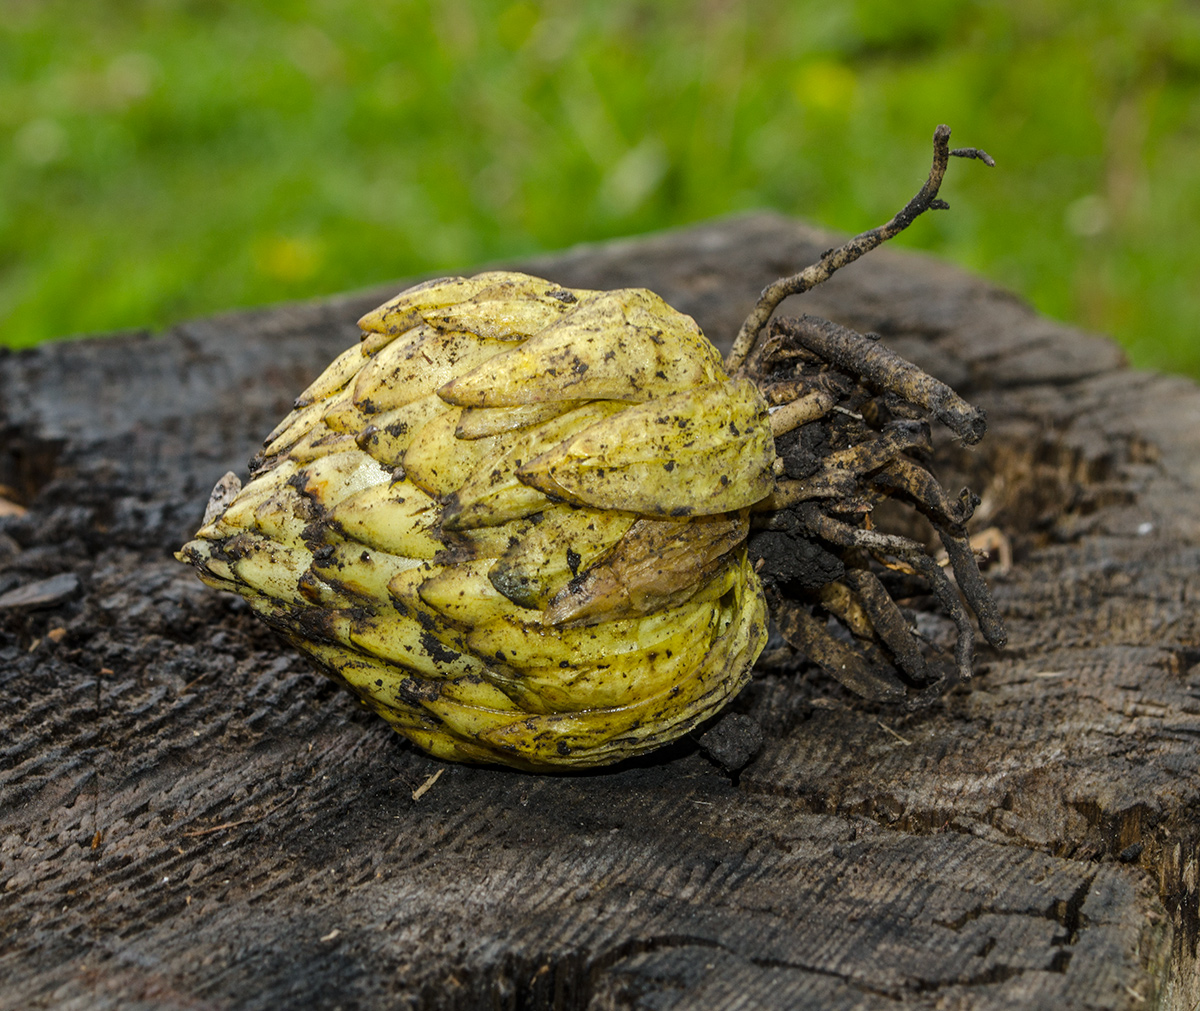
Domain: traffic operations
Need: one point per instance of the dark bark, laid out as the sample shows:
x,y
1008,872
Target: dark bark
x,y
190,818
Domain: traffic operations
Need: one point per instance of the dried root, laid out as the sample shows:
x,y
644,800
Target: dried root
x,y
850,422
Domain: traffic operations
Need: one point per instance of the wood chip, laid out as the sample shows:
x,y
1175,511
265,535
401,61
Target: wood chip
x,y
43,593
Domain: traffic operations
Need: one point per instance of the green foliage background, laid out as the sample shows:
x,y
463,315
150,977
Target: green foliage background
x,y
161,159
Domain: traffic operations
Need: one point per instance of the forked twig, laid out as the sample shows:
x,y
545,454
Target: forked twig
x,y
834,259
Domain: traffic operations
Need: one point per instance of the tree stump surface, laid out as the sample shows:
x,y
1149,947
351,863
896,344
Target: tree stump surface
x,y
190,818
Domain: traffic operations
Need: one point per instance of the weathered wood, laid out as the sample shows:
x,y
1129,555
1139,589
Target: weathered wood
x,y
189,818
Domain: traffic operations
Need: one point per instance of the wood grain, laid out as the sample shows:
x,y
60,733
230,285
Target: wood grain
x,y
190,818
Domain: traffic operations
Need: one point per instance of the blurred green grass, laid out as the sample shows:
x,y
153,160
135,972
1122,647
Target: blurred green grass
x,y
162,159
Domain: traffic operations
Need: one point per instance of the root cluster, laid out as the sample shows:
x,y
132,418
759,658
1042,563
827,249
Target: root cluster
x,y
851,421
